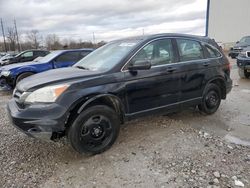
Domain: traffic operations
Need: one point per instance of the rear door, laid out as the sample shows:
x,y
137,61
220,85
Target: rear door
x,y
196,67
157,87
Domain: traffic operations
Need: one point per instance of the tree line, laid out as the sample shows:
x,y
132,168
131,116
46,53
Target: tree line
x,y
34,40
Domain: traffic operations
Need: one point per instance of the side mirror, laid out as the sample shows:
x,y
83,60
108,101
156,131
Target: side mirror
x,y
140,65
237,42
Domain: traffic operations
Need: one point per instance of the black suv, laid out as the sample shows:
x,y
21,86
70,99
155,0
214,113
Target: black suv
x,y
28,55
120,81
239,46
243,63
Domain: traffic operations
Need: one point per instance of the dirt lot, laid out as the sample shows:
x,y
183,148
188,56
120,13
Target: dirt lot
x,y
185,149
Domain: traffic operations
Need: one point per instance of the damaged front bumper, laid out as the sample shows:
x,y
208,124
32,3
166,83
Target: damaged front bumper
x,y
38,121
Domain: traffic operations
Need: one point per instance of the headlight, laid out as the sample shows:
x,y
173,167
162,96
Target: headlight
x,y
46,94
243,54
5,73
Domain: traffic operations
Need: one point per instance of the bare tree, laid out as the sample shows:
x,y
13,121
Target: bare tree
x,y
34,38
11,37
53,42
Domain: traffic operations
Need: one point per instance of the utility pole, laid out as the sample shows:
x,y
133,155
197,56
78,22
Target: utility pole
x,y
94,37
18,44
5,47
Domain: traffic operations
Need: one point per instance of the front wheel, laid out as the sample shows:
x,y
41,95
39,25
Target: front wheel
x,y
211,99
94,130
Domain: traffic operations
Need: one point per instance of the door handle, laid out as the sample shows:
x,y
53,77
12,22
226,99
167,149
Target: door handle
x,y
206,64
171,69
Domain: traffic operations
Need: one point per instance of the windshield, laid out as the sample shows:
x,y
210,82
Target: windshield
x,y
106,57
49,57
245,40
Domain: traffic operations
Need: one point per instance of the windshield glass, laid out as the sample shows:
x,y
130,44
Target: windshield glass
x,y
245,40
106,57
49,57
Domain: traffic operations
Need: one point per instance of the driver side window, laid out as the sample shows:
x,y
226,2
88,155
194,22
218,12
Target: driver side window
x,y
27,54
159,52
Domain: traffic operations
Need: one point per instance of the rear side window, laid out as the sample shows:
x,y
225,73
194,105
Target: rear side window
x,y
69,57
189,50
212,53
27,54
83,54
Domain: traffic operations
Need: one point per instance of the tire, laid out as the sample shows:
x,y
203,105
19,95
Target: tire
x,y
95,130
22,76
243,73
211,99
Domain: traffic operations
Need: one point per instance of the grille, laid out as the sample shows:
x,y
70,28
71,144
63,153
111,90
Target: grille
x,y
237,50
17,95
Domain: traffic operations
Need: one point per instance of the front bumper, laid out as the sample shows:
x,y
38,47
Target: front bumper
x,y
243,63
38,121
6,82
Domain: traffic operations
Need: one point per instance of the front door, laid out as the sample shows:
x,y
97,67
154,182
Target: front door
x,y
157,87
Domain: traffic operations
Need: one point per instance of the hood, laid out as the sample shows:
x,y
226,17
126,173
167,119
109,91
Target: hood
x,y
18,65
246,49
241,45
55,76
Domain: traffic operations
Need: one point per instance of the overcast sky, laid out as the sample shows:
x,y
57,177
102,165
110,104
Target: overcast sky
x,y
109,19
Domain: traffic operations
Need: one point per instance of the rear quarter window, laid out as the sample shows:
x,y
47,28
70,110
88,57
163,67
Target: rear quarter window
x,y
212,53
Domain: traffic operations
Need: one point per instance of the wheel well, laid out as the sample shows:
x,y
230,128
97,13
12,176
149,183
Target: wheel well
x,y
23,73
109,101
222,86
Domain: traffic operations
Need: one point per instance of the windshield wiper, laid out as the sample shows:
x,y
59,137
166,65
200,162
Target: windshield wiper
x,y
81,67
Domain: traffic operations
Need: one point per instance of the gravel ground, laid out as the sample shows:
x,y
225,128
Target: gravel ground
x,y
157,151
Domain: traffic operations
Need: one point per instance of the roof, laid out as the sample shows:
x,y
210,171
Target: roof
x,y
149,37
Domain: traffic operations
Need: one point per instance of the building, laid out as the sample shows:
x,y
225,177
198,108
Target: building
x,y
228,20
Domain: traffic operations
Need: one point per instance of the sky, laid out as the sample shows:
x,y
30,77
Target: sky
x,y
108,20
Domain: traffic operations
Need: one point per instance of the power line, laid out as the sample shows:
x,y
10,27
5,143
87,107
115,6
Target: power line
x,y
5,47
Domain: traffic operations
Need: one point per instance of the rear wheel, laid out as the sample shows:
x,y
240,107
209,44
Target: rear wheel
x,y
243,73
94,130
23,75
211,99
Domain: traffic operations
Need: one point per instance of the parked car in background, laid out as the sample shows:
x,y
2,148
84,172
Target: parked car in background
x,y
2,54
243,63
122,80
6,58
10,75
239,46
28,55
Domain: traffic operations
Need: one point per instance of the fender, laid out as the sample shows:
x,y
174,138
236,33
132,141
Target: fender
x,y
110,96
212,80
22,70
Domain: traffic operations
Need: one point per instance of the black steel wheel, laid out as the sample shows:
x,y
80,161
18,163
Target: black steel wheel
x,y
211,99
94,130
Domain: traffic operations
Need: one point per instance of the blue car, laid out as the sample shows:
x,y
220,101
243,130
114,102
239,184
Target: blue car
x,y
10,75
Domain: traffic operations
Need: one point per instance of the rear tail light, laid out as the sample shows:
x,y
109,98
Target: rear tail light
x,y
229,66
